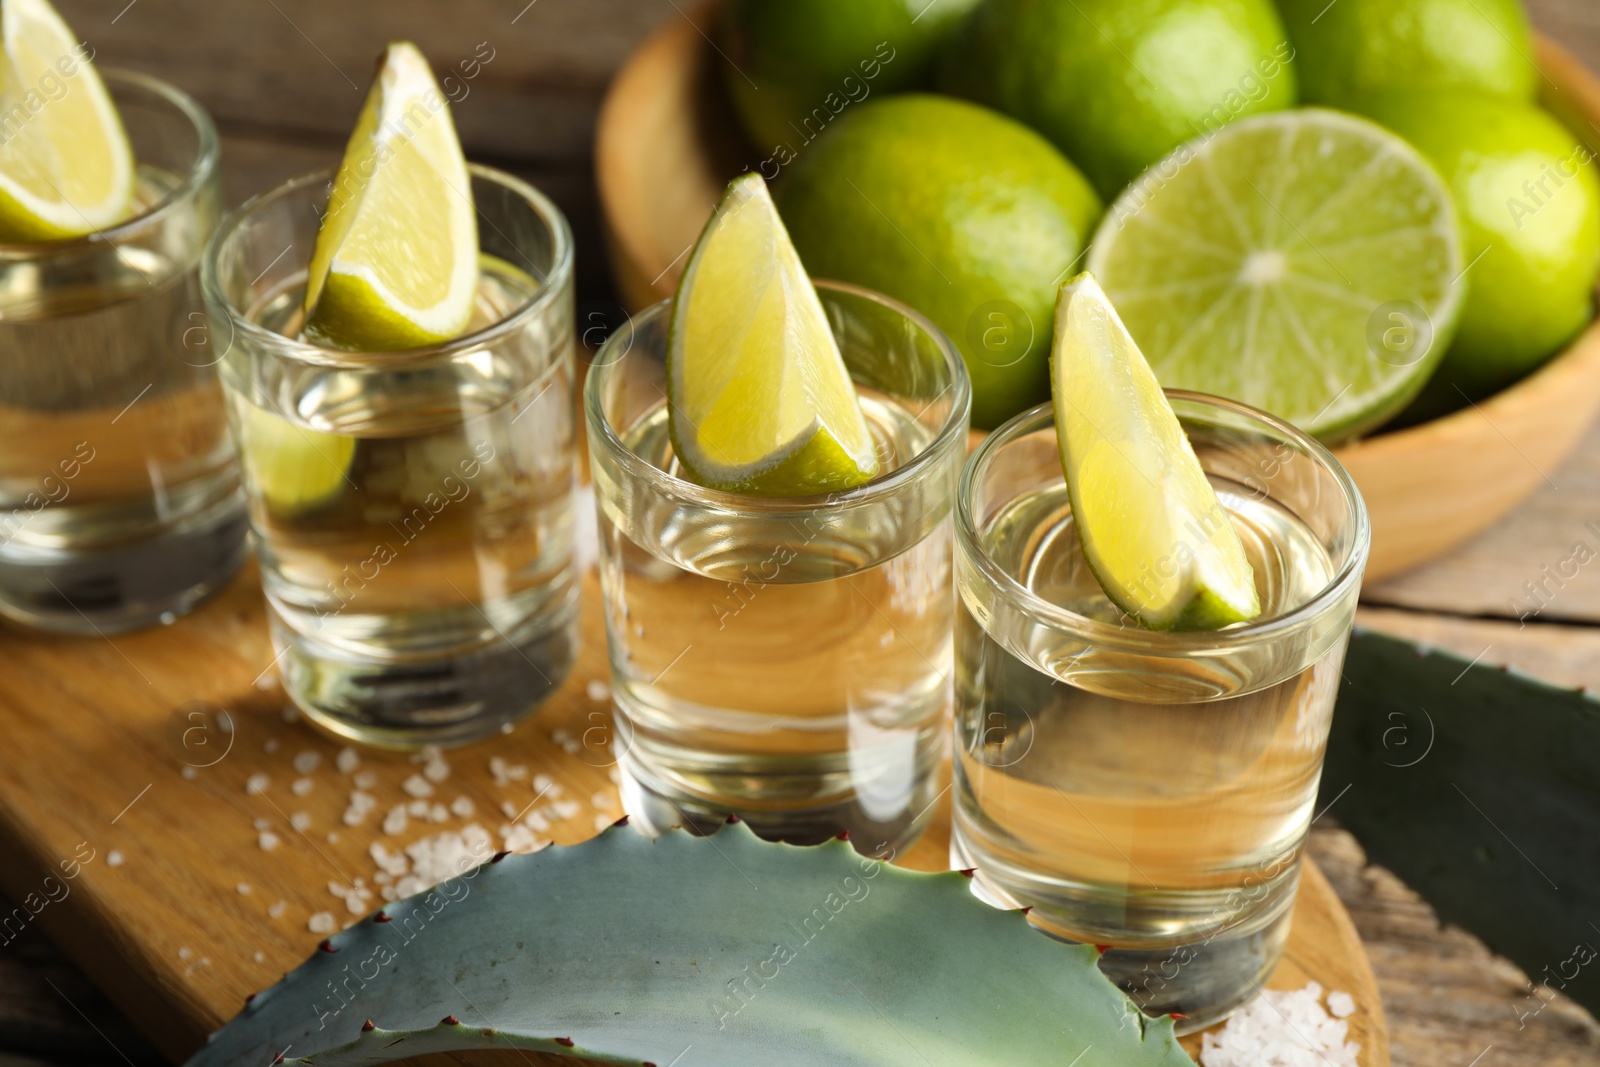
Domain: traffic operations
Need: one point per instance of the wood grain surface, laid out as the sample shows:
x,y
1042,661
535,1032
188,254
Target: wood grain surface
x,y
199,865
283,107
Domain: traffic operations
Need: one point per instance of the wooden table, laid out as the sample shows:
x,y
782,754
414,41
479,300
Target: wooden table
x,y
284,78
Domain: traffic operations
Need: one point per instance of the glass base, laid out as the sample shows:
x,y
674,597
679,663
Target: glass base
x,y
445,700
111,590
1198,956
655,808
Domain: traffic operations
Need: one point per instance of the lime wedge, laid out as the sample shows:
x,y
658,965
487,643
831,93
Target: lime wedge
x,y
396,260
1305,262
761,402
295,470
1157,539
66,168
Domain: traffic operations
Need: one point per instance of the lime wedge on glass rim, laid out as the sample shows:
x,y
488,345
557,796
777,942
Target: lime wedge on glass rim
x,y
396,260
1153,532
760,400
66,168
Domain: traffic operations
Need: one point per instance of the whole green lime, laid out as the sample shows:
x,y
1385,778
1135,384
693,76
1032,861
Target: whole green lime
x,y
1354,47
969,217
1529,202
1117,84
795,65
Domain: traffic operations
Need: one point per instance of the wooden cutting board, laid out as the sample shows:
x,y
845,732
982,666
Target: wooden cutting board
x,y
177,910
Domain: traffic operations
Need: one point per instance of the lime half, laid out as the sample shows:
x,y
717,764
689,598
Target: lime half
x,y
761,402
66,168
295,470
1306,262
1153,531
396,260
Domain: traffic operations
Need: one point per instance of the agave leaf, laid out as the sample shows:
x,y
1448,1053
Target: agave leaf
x,y
1480,787
631,950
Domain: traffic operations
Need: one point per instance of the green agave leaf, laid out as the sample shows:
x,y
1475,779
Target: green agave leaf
x,y
1480,787
631,950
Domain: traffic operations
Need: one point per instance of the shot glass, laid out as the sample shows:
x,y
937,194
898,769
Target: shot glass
x,y
119,490
785,659
413,509
1150,791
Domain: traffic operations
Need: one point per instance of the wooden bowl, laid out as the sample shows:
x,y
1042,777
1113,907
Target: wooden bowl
x,y
668,143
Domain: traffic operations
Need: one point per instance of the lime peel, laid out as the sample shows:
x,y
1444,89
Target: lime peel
x,y
1154,534
760,399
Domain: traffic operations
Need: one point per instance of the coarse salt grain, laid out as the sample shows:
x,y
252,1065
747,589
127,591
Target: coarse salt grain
x,y
270,745
417,809
395,821
277,910
521,839
566,809
437,770
301,786
263,824
600,800
189,773
602,822
508,809
113,858
267,840
417,786
291,713
543,783
185,952
347,760
365,779
462,806
243,888
300,820
1341,1004
360,806
306,762
268,680
256,783
597,690
260,957
1283,1029
322,922
536,822
442,856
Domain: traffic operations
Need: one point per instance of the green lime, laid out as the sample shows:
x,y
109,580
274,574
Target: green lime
x,y
1306,262
1117,84
66,168
795,65
1529,202
969,217
760,400
396,261
1153,531
295,470
1353,47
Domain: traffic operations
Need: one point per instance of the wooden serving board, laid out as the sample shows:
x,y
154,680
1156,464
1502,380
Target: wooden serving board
x,y
178,912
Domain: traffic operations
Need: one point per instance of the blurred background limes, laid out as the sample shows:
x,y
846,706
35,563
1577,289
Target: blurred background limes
x,y
1294,268
1353,47
1117,84
798,63
1529,203
967,216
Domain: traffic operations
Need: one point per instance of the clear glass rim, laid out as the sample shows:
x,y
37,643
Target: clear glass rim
x,y
200,174
550,288
952,433
1168,641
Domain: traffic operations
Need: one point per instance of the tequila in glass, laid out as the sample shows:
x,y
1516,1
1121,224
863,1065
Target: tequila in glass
x,y
1150,791
412,509
119,489
785,659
